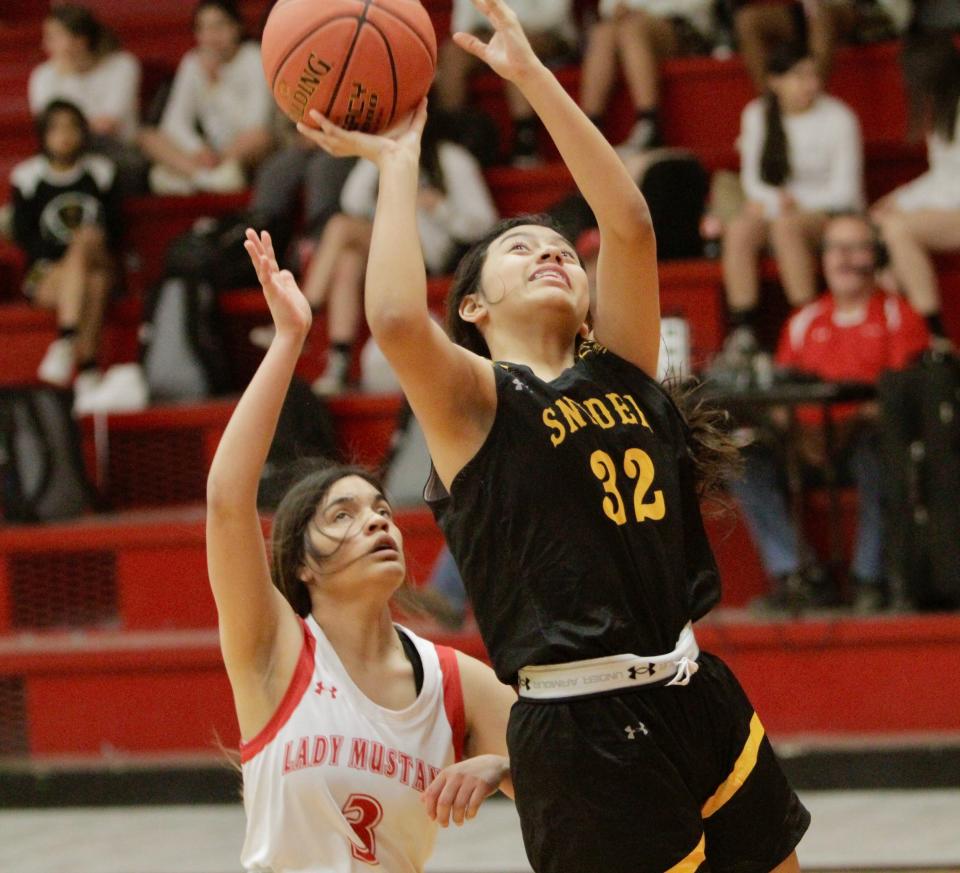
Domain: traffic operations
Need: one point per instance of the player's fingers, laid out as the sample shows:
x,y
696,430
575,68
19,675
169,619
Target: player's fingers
x,y
419,117
429,798
268,246
461,802
480,794
254,240
469,43
446,800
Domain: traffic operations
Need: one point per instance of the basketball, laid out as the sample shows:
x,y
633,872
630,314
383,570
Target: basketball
x,y
364,64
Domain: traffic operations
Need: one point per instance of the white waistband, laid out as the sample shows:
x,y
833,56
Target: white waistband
x,y
575,678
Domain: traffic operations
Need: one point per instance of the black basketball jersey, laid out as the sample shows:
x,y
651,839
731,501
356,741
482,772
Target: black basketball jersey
x,y
576,526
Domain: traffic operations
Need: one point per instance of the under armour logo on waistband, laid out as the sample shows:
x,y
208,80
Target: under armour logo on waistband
x,y
634,672
525,683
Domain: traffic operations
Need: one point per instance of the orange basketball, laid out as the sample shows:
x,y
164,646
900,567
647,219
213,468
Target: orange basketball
x,y
364,64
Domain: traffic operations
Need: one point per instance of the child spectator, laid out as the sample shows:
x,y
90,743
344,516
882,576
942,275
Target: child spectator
x,y
801,157
216,123
638,34
923,216
549,24
66,218
454,208
86,67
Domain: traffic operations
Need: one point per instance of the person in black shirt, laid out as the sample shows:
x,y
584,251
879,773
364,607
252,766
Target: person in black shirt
x,y
66,218
566,482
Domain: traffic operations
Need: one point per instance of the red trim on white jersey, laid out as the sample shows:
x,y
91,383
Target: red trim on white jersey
x,y
298,686
453,698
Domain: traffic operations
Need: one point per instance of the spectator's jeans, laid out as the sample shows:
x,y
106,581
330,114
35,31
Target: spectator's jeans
x,y
445,579
764,501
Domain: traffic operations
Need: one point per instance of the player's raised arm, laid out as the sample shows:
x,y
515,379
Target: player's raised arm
x,y
450,389
254,617
627,314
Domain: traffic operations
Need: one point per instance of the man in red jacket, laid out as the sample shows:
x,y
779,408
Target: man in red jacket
x,y
853,333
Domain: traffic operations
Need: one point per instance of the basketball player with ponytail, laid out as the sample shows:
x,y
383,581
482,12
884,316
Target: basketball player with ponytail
x,y
353,728
567,483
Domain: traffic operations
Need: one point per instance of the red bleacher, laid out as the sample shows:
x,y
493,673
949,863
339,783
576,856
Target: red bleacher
x,y
107,629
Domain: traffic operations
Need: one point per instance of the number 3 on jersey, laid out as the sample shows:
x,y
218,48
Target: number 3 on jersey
x,y
637,465
364,813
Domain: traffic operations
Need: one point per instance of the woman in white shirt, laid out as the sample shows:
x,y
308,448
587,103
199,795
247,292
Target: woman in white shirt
x,y
923,216
216,123
454,209
358,736
801,158
86,67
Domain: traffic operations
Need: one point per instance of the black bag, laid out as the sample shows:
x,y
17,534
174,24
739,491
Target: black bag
x,y
183,352
305,432
921,455
42,476
675,185
212,250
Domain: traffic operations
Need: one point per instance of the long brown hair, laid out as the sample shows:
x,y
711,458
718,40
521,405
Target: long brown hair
x,y
291,545
715,456
931,73
775,154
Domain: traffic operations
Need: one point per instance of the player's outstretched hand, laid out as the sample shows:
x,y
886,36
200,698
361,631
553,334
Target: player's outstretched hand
x,y
288,307
508,53
459,789
403,138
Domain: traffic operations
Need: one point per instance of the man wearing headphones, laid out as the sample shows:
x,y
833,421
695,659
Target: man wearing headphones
x,y
854,332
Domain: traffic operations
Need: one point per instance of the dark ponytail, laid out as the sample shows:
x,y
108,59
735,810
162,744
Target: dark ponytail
x,y
775,154
931,74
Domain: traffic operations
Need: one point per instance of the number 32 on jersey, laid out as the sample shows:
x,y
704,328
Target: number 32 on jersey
x,y
638,467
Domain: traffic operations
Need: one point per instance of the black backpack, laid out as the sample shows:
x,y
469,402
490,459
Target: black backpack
x,y
921,456
42,475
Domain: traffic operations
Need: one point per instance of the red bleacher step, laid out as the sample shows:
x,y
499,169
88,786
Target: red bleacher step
x,y
108,693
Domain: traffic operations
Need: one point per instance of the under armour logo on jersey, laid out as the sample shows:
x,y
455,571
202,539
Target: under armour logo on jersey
x,y
518,385
634,672
632,731
321,688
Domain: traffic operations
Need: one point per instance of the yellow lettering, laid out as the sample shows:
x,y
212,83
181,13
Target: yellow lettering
x,y
550,420
640,415
599,412
626,416
571,412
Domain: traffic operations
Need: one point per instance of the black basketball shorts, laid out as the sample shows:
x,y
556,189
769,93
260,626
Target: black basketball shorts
x,y
662,778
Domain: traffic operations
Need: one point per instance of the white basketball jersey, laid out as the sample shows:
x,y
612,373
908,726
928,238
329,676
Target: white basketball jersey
x,y
333,782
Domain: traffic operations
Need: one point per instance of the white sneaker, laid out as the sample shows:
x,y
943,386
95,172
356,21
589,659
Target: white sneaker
x,y
643,136
58,363
333,380
122,389
225,178
84,386
163,180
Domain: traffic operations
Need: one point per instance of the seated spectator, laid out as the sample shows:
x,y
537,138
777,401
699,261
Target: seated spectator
x,y
216,124
923,216
801,157
854,332
66,217
85,66
454,208
761,25
636,35
549,25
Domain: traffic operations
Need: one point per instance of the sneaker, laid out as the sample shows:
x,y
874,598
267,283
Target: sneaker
x,y
262,335
644,135
58,362
789,597
225,178
84,387
733,368
334,379
869,598
163,180
122,389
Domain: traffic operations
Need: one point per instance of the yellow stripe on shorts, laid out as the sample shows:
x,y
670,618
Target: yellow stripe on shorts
x,y
693,860
742,768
